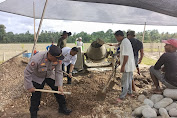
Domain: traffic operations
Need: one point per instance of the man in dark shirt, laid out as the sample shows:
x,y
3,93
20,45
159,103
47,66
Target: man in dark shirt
x,y
168,64
137,46
63,40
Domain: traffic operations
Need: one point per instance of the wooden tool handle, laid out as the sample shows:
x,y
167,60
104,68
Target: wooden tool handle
x,y
68,75
50,91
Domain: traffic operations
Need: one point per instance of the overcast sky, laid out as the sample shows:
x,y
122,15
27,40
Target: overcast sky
x,y
21,24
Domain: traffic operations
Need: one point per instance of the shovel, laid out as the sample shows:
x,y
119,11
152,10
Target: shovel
x,y
68,75
51,91
101,95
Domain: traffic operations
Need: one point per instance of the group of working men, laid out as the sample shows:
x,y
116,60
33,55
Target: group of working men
x,y
47,67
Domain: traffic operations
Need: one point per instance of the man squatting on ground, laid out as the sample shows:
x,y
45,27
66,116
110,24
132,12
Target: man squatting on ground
x,y
127,64
165,70
70,57
45,67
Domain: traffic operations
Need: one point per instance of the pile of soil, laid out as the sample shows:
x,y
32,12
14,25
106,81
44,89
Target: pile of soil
x,y
83,100
11,80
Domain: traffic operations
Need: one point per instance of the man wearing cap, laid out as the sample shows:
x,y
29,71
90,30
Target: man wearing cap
x,y
127,64
137,47
63,40
70,57
165,69
45,67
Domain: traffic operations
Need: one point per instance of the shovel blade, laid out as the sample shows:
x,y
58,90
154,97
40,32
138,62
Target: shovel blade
x,y
100,96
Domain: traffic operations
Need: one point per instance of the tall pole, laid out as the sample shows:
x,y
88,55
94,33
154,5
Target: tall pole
x,y
34,22
144,32
35,41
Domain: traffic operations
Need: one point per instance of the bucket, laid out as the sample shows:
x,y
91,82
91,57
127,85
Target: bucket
x,y
28,55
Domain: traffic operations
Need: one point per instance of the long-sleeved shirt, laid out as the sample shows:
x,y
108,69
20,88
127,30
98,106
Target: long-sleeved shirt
x,y
40,68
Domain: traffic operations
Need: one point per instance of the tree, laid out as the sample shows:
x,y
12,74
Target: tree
x,y
2,33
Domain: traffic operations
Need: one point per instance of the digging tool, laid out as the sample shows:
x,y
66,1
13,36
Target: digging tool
x,y
51,91
69,75
101,95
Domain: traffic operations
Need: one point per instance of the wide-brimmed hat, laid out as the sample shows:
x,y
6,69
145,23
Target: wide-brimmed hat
x,y
172,42
65,32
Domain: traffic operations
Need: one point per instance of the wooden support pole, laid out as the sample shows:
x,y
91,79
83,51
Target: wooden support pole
x,y
42,17
144,32
34,22
4,58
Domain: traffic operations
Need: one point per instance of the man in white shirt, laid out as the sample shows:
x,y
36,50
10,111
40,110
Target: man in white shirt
x,y
69,60
127,64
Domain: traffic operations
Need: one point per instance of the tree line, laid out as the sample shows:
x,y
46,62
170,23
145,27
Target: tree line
x,y
48,36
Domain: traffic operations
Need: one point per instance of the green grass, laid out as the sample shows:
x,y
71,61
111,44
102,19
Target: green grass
x,y
148,61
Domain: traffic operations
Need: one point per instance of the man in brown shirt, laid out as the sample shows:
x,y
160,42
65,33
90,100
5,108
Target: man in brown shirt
x,y
63,40
167,64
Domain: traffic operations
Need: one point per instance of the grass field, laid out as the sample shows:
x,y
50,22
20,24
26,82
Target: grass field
x,y
9,50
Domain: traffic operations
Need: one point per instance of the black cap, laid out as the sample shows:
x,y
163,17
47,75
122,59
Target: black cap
x,y
68,33
56,52
131,33
119,32
75,49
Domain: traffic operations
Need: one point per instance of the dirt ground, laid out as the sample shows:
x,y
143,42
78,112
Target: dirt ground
x,y
83,100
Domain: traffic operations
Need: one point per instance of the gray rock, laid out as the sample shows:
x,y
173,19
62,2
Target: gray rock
x,y
163,103
141,98
157,111
173,105
148,102
149,113
156,98
170,93
163,112
173,112
138,111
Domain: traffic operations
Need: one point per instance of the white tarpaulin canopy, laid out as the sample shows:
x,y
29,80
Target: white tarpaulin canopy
x,y
106,11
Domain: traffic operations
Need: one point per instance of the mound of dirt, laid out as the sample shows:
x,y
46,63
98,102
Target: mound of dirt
x,y
11,77
83,100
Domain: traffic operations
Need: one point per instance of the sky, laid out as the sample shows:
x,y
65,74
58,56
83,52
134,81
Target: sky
x,y
20,24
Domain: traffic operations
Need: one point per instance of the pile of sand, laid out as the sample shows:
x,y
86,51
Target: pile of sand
x,y
82,101
11,80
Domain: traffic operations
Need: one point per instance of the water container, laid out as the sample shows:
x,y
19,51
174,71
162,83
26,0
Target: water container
x,y
28,55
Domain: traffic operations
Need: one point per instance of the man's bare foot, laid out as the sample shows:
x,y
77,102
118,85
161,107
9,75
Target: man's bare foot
x,y
119,100
131,95
157,91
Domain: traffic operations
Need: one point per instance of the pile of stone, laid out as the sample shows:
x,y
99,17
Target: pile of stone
x,y
158,106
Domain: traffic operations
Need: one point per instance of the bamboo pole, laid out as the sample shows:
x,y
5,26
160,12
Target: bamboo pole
x,y
159,51
42,17
34,22
4,58
144,32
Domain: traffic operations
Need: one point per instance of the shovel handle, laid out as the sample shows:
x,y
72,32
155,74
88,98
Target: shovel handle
x,y
50,91
68,75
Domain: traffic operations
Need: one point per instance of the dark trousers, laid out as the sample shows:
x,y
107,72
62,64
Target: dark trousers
x,y
68,68
36,96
